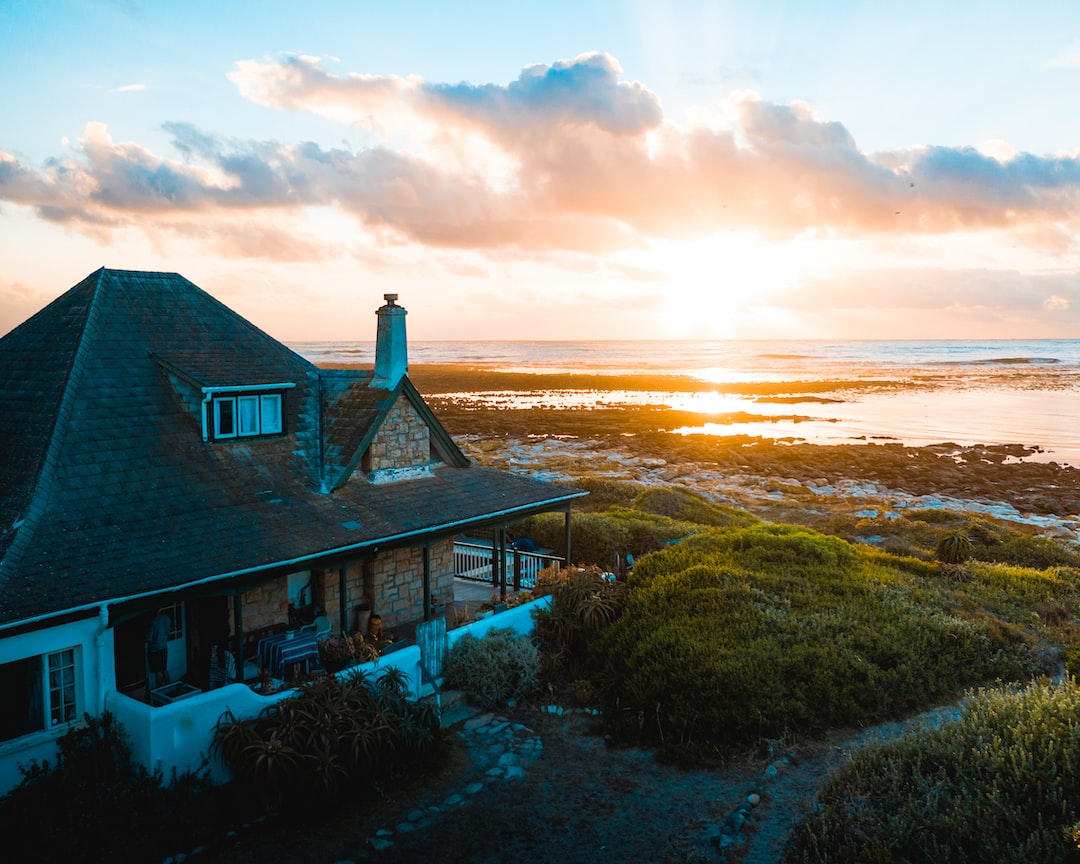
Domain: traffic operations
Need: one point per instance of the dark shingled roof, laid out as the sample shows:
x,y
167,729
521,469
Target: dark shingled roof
x,y
107,489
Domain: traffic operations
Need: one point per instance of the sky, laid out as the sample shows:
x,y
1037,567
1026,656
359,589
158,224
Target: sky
x,y
565,170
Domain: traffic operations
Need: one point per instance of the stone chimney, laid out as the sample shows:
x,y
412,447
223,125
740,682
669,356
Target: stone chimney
x,y
391,353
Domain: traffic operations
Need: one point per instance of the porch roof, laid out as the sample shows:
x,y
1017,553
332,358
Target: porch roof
x,y
160,552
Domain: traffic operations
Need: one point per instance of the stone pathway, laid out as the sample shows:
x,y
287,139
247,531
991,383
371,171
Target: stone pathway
x,y
499,750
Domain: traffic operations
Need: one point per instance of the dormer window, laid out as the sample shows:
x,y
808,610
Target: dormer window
x,y
243,412
245,416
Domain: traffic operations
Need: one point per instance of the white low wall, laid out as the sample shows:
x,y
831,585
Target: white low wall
x,y
178,736
518,618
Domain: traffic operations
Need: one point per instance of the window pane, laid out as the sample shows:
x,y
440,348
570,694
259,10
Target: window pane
x,y
22,707
271,414
62,708
247,410
224,424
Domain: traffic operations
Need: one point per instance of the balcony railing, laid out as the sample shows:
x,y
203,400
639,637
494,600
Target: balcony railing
x,y
474,560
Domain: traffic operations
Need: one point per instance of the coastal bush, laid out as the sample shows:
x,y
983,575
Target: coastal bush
x,y
1001,783
605,492
1019,545
685,506
97,804
582,605
954,547
335,737
735,636
603,539
494,670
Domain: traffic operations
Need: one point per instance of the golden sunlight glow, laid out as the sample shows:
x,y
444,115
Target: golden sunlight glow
x,y
723,277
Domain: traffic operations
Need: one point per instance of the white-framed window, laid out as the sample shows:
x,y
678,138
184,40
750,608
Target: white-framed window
x,y
270,413
247,415
41,693
63,706
225,417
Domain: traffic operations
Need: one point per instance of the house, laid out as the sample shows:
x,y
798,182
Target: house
x,y
160,452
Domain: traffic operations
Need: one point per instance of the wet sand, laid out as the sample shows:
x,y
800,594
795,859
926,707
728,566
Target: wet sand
x,y
625,440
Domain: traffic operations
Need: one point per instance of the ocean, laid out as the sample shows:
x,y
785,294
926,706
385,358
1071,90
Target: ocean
x,y
824,392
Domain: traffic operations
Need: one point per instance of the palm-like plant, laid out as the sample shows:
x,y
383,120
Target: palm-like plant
x,y
332,731
954,547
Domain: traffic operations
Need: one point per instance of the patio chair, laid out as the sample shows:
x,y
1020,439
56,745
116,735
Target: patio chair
x,y
321,626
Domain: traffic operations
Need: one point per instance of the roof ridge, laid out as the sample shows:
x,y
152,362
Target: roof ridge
x,y
36,504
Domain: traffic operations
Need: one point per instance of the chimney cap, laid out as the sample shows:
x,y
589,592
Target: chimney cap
x,y
390,298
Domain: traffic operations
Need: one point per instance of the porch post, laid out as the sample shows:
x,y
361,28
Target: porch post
x,y
238,633
427,582
568,558
343,600
502,562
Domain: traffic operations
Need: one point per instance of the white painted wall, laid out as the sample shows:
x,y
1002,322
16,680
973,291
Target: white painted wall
x,y
95,675
179,735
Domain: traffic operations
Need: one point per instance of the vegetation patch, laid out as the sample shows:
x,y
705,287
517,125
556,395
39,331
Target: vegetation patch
x,y
733,637
97,804
495,670
336,738
1002,783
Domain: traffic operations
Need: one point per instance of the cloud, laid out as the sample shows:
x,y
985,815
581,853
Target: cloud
x,y
586,162
131,88
1005,294
1067,58
585,91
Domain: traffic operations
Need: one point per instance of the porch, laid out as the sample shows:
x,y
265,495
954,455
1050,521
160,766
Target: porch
x,y
281,622
178,733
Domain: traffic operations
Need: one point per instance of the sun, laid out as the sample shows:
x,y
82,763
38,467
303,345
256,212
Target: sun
x,y
721,280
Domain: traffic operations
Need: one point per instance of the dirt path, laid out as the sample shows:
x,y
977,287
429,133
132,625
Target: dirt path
x,y
578,801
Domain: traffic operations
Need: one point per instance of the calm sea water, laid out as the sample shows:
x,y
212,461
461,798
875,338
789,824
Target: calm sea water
x,y
967,392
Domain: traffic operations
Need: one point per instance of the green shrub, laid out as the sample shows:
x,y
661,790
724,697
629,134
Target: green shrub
x,y
954,547
734,636
685,506
605,492
97,804
337,736
604,538
495,670
581,607
1019,545
1002,783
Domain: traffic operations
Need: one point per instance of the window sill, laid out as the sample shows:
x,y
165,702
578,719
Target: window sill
x,y
35,739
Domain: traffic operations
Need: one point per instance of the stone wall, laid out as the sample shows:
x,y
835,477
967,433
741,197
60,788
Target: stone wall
x,y
265,605
398,582
269,603
403,441
393,583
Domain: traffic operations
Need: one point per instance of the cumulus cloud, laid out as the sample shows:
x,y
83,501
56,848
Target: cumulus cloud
x,y
586,161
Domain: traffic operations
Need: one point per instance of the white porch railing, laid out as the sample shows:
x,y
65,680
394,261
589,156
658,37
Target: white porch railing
x,y
473,560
